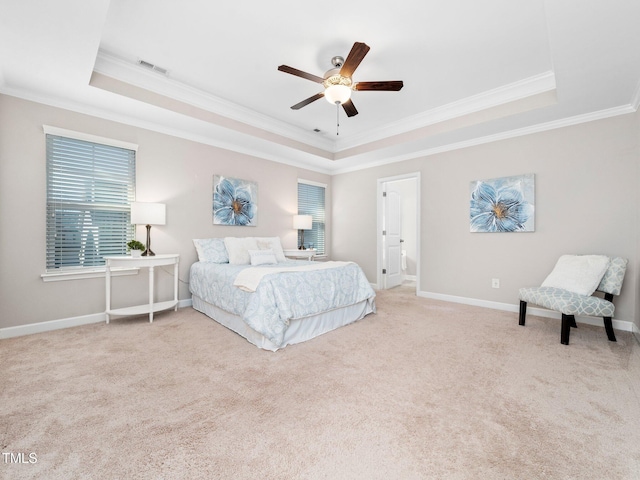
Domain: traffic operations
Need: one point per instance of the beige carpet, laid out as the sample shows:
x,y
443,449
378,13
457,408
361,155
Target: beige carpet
x,y
423,389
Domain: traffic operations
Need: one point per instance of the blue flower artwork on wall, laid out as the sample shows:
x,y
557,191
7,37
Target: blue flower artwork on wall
x,y
503,204
235,202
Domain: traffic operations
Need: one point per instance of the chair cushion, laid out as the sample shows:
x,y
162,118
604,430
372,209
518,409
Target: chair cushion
x,y
567,302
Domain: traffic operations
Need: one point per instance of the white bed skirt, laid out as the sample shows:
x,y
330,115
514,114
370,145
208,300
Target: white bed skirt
x,y
299,330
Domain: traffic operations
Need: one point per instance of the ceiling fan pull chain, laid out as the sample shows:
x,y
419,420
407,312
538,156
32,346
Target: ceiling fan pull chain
x,y
337,118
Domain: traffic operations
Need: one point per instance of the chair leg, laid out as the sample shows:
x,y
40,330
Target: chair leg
x,y
573,321
565,330
608,326
523,312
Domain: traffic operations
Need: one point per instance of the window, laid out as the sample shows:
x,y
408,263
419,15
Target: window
x,y
90,187
311,202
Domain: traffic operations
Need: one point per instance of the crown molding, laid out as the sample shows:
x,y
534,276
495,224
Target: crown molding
x,y
112,66
292,157
527,87
542,127
250,146
126,71
224,138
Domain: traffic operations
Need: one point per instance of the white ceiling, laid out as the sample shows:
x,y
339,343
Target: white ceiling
x,y
473,71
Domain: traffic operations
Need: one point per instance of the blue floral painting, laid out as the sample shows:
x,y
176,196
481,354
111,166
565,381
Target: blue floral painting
x,y
503,204
235,202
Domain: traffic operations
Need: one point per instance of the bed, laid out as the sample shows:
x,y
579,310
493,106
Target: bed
x,y
247,285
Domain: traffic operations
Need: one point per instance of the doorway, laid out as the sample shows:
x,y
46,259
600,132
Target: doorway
x,y
398,243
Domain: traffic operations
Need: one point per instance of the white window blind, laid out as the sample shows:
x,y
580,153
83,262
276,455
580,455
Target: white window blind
x,y
90,187
311,202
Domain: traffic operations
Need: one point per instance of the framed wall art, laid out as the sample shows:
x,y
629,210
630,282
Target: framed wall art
x,y
503,204
235,201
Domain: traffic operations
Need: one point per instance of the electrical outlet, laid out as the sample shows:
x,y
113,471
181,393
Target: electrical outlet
x,y
495,283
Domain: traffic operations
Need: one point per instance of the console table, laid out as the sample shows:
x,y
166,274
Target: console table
x,y
140,262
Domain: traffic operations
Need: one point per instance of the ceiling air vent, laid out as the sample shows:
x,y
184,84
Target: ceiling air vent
x,y
151,66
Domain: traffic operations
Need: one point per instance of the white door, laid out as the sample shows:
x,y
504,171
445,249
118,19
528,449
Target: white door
x,y
392,242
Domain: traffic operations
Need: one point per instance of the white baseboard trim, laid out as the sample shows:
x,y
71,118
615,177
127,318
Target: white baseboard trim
x,y
21,330
409,278
185,303
30,329
623,325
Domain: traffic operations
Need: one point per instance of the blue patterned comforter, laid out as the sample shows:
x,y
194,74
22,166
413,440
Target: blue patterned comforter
x,y
282,296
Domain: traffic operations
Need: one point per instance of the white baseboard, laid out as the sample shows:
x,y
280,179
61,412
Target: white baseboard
x,y
623,325
20,330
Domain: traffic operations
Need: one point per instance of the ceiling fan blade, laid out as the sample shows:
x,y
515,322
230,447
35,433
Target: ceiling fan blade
x,y
349,108
307,101
300,73
357,53
391,86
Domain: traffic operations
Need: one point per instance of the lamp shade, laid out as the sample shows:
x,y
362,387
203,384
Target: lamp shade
x,y
148,213
302,222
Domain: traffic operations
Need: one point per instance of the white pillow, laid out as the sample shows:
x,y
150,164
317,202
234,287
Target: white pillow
x,y
262,257
274,244
211,250
578,273
238,249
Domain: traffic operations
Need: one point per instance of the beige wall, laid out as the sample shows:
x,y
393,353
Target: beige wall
x,y
586,202
586,179
169,170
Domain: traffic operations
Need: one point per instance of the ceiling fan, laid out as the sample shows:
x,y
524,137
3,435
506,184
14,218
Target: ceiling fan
x,y
337,82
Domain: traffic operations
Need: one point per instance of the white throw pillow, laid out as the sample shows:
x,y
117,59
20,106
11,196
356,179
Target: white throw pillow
x,y
274,244
211,250
262,257
578,273
238,249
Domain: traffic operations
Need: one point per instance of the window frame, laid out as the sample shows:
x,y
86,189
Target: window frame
x,y
76,272
316,221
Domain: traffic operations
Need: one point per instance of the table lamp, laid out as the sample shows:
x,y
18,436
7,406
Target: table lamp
x,y
302,223
148,214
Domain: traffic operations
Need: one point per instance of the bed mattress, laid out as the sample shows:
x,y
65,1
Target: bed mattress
x,y
287,307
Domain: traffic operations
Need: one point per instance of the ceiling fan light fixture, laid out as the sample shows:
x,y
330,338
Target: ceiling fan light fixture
x,y
337,94
337,88
337,82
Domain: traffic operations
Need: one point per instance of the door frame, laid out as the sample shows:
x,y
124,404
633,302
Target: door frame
x,y
380,281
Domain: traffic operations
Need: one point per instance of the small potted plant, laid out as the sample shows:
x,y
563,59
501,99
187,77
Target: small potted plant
x,y
136,248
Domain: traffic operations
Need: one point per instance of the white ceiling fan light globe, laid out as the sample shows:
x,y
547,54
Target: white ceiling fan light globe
x,y
337,94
